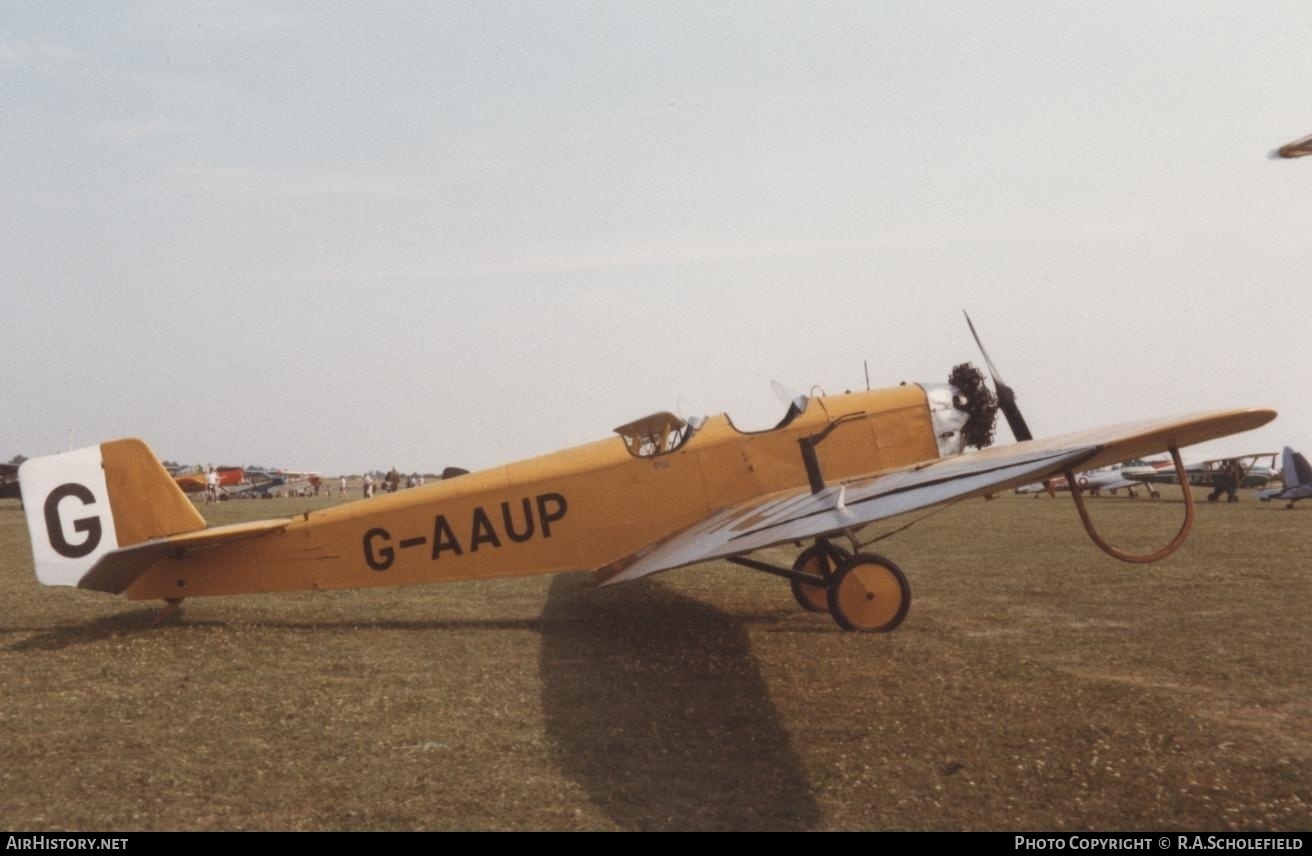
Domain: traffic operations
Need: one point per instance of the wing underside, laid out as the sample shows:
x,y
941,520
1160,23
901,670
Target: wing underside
x,y
799,514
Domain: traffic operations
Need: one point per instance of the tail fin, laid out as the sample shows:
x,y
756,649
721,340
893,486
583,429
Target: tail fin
x,y
1297,471
89,502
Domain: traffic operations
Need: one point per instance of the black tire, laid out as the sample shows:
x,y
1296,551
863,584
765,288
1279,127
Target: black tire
x,y
814,598
869,594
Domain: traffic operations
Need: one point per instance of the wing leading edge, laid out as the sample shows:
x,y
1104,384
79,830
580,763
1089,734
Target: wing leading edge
x,y
798,514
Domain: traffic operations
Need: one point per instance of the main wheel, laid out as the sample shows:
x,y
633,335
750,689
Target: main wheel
x,y
870,594
814,560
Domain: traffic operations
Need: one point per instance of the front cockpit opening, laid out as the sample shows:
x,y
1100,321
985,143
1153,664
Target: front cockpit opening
x,y
795,403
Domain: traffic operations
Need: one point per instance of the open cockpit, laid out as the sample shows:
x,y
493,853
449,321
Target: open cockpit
x,y
664,432
657,434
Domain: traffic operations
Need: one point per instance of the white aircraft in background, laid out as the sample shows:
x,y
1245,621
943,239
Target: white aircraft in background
x,y
1111,479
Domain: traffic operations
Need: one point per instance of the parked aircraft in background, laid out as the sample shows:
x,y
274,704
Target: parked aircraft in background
x,y
1223,475
267,483
9,482
1302,147
193,480
1094,482
235,482
1296,474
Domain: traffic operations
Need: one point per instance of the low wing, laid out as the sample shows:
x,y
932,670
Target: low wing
x,y
798,514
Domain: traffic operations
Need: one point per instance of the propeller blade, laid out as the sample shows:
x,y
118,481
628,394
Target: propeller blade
x,y
1006,395
993,370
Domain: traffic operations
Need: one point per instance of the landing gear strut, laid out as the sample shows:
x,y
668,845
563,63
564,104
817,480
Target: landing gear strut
x,y
864,592
821,559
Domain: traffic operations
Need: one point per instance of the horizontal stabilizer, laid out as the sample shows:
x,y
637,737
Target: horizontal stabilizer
x,y
115,571
100,516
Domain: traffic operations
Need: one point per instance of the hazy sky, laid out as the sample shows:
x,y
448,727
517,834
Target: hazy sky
x,y
342,235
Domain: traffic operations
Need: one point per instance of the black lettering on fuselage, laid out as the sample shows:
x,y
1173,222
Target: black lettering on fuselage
x,y
539,513
508,519
380,559
444,538
483,532
89,525
551,517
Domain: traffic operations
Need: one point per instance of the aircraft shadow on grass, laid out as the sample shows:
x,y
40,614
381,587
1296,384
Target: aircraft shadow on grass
x,y
655,705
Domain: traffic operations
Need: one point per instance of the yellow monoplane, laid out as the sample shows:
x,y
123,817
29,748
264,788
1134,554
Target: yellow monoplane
x,y
664,493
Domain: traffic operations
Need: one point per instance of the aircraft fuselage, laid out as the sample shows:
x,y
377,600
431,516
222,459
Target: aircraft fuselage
x,y
578,509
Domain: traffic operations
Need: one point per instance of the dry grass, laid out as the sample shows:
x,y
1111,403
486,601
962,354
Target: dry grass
x,y
1035,685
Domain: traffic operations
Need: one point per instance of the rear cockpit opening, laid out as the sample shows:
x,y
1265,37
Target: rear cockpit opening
x,y
657,434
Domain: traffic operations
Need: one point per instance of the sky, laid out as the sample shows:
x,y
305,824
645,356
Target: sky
x,y
338,236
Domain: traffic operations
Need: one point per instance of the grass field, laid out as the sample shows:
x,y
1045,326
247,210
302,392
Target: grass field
x,y
1036,684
